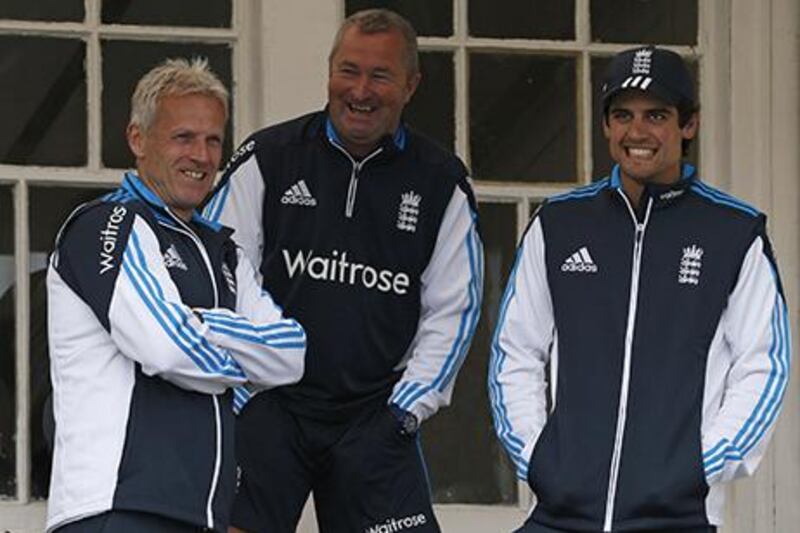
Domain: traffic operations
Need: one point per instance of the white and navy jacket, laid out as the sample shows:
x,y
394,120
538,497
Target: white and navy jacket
x,y
380,260
152,322
640,357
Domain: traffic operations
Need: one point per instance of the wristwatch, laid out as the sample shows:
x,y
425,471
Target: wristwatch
x,y
406,420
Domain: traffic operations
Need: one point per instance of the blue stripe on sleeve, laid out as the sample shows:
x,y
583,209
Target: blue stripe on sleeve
x,y
722,198
581,192
146,285
283,334
240,398
768,405
466,327
505,432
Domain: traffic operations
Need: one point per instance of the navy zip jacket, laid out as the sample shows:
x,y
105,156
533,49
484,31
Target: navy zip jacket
x,y
152,323
379,258
640,357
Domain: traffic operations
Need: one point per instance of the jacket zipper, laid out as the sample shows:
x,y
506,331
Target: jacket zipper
x,y
186,230
217,464
626,365
352,187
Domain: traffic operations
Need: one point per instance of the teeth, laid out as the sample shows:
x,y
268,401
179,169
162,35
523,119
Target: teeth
x,y
641,152
194,174
360,108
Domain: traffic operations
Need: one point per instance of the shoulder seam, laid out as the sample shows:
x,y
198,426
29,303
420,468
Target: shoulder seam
x,y
719,197
587,191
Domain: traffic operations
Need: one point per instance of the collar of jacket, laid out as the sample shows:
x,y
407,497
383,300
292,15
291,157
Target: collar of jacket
x,y
134,185
663,195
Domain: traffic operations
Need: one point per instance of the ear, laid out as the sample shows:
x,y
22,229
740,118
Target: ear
x,y
411,85
689,130
135,140
606,129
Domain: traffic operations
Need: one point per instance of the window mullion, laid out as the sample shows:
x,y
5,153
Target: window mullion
x,y
585,115
22,303
584,75
94,85
461,80
248,108
582,23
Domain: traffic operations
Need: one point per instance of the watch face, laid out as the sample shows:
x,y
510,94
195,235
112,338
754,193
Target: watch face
x,y
410,424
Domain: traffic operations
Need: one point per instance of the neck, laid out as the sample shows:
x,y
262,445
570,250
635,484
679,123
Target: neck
x,y
633,190
155,188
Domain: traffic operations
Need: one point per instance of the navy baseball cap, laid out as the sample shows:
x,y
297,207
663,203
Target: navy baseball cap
x,y
655,70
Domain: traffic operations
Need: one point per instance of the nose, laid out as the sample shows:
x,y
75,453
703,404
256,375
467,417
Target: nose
x,y
637,129
200,152
360,87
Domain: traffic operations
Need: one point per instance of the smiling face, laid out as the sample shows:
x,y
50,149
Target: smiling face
x,y
177,157
369,84
644,138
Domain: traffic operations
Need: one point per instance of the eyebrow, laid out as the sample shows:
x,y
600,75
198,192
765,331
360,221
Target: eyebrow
x,y
664,109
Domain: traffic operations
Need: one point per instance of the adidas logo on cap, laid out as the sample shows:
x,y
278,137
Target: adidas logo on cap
x,y
298,194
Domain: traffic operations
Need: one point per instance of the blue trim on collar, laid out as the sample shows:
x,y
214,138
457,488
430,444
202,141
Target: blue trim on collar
x,y
687,172
399,137
616,180
134,184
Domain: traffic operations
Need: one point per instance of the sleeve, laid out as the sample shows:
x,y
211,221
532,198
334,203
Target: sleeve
x,y
269,348
756,330
520,351
123,279
238,201
451,293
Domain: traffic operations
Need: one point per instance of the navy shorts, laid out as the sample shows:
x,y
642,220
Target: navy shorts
x,y
365,475
128,522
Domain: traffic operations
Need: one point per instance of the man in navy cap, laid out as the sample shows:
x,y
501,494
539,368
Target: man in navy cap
x,y
642,347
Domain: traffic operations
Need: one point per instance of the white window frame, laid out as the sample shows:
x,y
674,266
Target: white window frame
x,y
750,107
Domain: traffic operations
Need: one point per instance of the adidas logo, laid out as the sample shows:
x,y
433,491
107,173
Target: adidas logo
x,y
230,280
298,194
172,258
580,261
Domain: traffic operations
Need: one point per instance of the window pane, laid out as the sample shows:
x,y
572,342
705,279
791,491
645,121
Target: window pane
x,y
529,19
433,19
463,434
432,109
522,113
644,21
601,160
55,10
208,13
7,345
49,207
124,62
42,101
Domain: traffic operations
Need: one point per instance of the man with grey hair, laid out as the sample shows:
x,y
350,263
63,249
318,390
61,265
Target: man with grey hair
x,y
367,232
154,319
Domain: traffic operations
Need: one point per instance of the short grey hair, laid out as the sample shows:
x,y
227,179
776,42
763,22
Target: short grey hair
x,y
371,21
174,77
